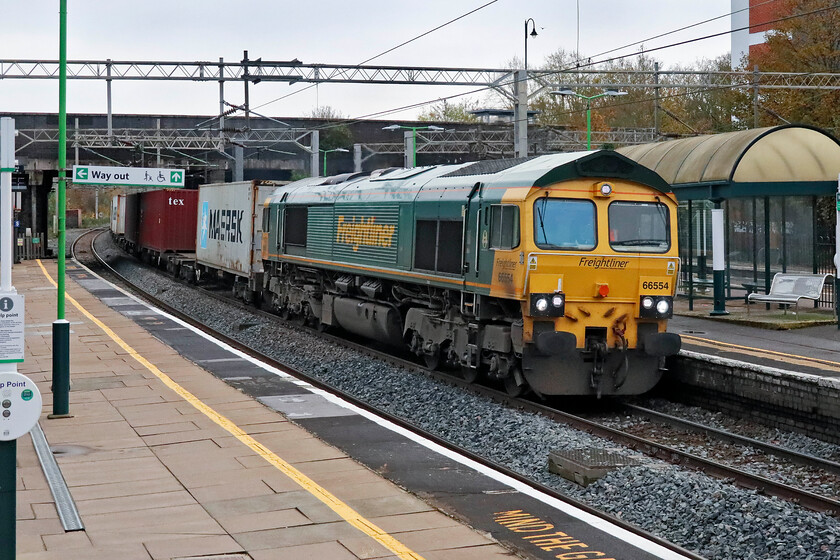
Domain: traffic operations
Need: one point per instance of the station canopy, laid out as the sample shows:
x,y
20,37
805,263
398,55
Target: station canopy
x,y
775,161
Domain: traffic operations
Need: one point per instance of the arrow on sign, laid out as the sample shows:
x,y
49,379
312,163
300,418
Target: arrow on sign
x,y
82,173
176,177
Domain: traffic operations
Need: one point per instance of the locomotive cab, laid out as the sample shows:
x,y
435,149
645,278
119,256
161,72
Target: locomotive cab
x,y
601,276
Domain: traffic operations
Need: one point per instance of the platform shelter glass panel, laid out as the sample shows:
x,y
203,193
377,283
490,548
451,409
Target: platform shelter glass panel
x,y
694,225
825,244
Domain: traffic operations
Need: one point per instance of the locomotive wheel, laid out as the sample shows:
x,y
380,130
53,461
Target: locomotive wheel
x,y
284,311
432,361
470,375
511,388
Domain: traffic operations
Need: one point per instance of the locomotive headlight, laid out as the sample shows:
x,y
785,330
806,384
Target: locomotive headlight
x,y
552,304
662,306
606,189
647,302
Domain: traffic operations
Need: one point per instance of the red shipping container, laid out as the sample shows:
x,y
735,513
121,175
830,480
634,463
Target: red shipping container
x,y
168,220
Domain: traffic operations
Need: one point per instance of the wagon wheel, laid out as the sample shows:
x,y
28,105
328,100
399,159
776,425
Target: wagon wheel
x,y
512,388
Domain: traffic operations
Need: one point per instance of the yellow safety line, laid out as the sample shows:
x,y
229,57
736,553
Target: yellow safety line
x,y
762,350
345,511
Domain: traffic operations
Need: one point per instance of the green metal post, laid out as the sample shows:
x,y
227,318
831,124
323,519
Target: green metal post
x,y
61,330
325,163
61,369
62,151
588,126
414,148
8,506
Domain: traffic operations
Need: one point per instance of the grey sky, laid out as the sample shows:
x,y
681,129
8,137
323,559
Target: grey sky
x,y
328,31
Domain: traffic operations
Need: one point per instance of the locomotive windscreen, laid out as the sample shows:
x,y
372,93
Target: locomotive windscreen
x,y
564,224
639,227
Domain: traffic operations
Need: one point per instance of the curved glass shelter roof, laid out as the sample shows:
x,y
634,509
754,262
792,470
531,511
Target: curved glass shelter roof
x,y
775,161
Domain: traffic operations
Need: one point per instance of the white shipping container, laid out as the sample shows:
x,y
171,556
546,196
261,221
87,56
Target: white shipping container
x,y
228,216
118,214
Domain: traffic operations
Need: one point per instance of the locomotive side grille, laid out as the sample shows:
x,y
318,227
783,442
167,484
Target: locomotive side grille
x,y
319,232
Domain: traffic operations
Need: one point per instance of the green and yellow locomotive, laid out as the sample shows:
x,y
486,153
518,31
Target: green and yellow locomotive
x,y
555,272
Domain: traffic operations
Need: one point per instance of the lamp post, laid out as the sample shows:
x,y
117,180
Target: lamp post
x,y
533,34
413,129
609,92
325,156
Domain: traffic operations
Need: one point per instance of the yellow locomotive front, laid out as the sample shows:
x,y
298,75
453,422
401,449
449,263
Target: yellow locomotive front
x,y
602,264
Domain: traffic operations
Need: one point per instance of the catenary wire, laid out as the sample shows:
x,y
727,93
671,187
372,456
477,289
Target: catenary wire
x,y
387,51
578,65
588,64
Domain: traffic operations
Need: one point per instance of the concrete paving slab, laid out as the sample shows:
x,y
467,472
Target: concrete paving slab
x,y
305,406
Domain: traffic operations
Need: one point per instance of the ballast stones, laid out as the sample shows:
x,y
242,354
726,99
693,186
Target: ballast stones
x,y
585,466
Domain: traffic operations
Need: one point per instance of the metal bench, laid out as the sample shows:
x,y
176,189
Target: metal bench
x,y
787,289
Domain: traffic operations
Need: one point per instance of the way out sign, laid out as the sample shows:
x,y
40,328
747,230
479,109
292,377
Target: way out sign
x,y
127,176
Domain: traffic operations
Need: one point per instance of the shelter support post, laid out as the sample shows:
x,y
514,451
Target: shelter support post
x,y
837,255
718,260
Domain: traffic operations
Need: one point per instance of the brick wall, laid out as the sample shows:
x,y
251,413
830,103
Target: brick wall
x,y
787,400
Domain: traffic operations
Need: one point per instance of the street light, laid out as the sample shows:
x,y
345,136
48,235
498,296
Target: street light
x,y
414,129
568,91
325,156
533,34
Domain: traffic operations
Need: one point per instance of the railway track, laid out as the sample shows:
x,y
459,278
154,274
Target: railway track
x,y
806,499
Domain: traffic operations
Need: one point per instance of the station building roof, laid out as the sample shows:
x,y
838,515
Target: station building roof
x,y
774,161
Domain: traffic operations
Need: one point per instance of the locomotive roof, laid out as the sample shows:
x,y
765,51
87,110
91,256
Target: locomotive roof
x,y
537,171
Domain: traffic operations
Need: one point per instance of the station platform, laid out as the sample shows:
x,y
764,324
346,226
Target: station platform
x,y
807,341
155,476
167,456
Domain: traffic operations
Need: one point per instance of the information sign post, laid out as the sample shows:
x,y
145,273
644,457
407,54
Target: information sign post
x,y
20,408
20,400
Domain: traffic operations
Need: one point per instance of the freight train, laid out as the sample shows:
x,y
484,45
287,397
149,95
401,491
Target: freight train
x,y
553,273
